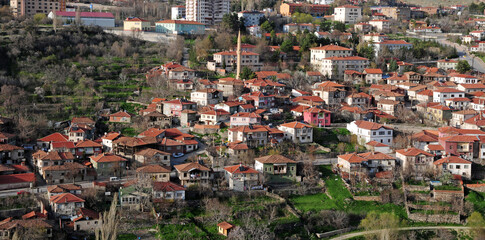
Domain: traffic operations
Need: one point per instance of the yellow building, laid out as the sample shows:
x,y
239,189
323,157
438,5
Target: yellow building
x,y
136,24
439,113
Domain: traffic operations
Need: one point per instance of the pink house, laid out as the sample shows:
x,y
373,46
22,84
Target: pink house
x,y
317,116
245,119
460,145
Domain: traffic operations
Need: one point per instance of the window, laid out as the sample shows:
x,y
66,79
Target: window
x,y
465,166
458,166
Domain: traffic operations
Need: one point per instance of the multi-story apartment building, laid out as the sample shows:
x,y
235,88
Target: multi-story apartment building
x,y
251,18
397,13
31,7
228,60
287,9
380,25
178,12
348,14
334,67
318,54
208,12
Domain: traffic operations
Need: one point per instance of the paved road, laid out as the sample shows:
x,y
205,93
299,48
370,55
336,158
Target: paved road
x,y
463,52
351,235
476,62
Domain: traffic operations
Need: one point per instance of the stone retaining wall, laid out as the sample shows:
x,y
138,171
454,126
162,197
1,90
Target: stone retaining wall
x,y
430,207
416,188
434,218
368,198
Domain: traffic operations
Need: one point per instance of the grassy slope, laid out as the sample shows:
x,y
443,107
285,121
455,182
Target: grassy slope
x,y
341,199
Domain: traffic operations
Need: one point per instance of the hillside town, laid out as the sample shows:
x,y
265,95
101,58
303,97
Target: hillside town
x,y
242,120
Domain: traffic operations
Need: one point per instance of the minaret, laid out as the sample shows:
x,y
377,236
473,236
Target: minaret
x,y
238,51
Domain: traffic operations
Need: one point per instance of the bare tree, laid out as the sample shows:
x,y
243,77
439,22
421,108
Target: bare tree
x,y
109,222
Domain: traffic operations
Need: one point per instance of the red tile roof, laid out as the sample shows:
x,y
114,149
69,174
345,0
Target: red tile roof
x,y
107,157
55,137
111,136
189,166
296,125
413,152
452,159
65,198
373,71
17,178
155,168
274,159
352,158
369,125
167,187
87,144
240,169
225,225
331,48
376,144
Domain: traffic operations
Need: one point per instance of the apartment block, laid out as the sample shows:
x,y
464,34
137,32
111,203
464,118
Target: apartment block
x,y
207,12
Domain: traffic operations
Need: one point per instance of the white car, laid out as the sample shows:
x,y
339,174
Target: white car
x,y
177,155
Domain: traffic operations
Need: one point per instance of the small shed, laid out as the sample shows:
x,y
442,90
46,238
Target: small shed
x,y
224,228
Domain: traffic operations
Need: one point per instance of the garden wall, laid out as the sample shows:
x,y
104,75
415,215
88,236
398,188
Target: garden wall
x,y
416,188
434,218
430,207
447,195
368,198
477,187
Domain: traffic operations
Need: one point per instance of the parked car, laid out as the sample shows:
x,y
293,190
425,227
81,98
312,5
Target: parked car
x,y
177,155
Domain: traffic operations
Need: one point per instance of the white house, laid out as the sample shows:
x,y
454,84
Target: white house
x,y
297,132
478,34
380,25
472,87
66,204
370,131
455,165
206,96
463,78
440,95
168,191
447,64
373,75
348,14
